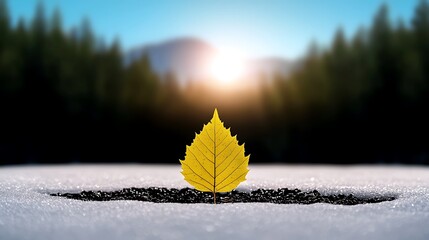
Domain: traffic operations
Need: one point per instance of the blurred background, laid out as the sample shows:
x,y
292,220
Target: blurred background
x,y
132,81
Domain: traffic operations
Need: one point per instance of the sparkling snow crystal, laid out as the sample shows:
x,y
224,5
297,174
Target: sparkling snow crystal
x,y
28,212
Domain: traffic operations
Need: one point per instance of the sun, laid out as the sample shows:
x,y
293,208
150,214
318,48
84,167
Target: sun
x,y
226,67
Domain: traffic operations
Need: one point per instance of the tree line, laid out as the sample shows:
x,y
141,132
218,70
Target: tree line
x,y
66,96
363,98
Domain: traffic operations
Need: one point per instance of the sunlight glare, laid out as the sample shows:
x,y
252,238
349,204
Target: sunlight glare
x,y
226,67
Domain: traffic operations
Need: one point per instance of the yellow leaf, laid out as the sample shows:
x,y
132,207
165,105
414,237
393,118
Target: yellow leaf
x,y
215,162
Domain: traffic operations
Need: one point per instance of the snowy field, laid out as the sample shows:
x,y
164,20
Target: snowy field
x,y
28,212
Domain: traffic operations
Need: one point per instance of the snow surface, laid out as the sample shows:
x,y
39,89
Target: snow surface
x,y
28,212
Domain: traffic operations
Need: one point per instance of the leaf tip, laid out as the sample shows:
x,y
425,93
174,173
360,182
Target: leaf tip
x,y
216,114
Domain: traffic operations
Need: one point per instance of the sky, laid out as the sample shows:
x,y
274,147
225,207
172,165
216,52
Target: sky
x,y
254,28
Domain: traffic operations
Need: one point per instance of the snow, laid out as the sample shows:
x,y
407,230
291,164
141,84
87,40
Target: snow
x,y
28,212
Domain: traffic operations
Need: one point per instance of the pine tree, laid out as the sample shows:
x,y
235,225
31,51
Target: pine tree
x,y
420,25
4,22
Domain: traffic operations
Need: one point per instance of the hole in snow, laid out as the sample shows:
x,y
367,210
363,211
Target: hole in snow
x,y
188,195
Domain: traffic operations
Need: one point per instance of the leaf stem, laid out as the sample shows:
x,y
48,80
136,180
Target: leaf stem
x,y
214,160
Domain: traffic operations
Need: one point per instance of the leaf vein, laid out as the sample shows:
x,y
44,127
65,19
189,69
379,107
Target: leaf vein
x,y
201,153
196,173
198,183
201,165
210,137
239,165
223,139
233,180
205,145
232,140
229,162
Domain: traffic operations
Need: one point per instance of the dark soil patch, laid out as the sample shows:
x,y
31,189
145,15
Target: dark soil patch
x,y
188,195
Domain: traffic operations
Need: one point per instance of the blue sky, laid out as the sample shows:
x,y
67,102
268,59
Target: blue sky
x,y
256,28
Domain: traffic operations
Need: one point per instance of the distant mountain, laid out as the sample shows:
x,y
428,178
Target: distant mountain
x,y
188,59
269,67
